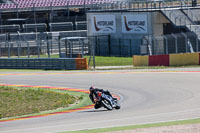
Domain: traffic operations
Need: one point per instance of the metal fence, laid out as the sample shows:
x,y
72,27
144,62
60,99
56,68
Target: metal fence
x,y
173,43
110,5
64,26
108,46
77,44
9,28
46,44
145,4
147,45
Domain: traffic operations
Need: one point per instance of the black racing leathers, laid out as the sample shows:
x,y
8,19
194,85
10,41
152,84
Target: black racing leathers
x,y
94,94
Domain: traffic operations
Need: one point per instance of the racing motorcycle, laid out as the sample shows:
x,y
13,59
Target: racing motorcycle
x,y
107,101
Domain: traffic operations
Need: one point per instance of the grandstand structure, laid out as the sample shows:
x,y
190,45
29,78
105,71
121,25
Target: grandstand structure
x,y
27,4
170,26
71,28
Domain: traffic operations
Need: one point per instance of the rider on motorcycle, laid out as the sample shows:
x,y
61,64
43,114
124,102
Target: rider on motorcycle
x,y
93,94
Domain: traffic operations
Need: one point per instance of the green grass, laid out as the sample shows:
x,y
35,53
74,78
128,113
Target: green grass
x,y
100,130
15,101
111,61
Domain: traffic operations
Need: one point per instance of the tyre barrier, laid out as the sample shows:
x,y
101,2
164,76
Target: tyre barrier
x,y
167,60
44,63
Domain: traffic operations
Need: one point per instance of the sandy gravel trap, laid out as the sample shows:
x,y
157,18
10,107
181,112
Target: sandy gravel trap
x,y
188,128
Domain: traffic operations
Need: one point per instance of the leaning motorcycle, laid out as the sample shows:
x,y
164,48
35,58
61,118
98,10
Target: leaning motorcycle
x,y
107,101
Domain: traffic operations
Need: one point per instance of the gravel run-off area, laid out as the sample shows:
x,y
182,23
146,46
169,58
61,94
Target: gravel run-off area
x,y
188,128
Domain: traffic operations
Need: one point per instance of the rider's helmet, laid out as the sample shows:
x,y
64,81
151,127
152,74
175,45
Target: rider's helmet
x,y
91,88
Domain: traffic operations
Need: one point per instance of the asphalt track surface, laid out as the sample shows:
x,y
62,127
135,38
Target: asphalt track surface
x,y
147,96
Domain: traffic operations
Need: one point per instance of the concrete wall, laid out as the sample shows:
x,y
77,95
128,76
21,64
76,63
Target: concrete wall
x,y
157,22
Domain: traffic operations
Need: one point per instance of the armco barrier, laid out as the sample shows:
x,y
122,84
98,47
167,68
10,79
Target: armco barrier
x,y
167,60
159,60
184,59
44,63
140,60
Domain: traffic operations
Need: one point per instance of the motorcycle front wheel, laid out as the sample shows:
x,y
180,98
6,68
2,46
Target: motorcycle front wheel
x,y
117,105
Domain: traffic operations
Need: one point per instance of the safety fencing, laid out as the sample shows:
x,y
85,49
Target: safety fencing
x,y
43,51
77,42
167,60
147,45
44,63
145,5
170,44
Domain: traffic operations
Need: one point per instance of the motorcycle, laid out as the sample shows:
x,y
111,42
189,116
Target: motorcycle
x,y
107,101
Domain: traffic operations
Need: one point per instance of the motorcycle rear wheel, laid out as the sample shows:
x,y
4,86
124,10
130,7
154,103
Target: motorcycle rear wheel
x,y
107,104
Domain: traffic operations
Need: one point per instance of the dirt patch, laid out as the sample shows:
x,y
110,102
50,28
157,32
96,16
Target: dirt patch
x,y
188,128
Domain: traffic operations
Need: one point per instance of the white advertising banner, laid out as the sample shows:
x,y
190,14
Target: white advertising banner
x,y
103,24
134,23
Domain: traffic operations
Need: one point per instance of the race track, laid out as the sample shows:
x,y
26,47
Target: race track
x,y
147,96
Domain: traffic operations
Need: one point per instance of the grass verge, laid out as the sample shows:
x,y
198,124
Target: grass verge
x,y
111,61
19,102
122,128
